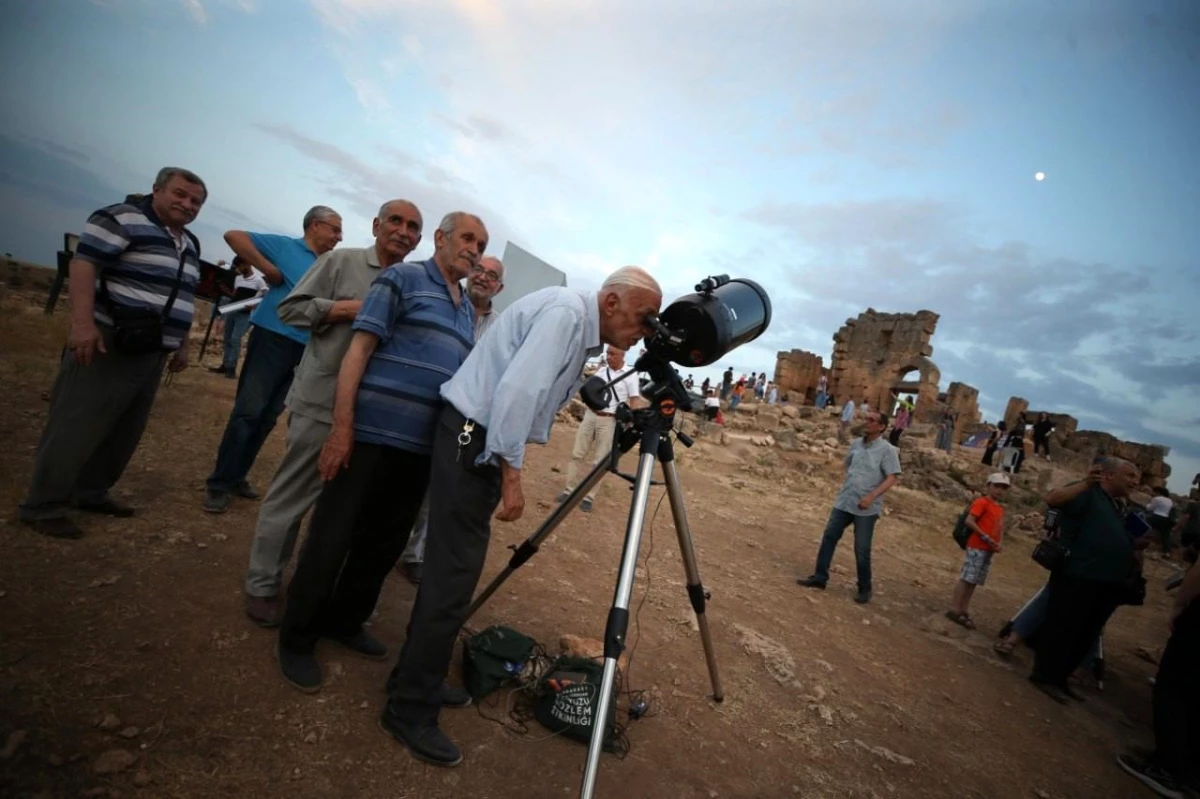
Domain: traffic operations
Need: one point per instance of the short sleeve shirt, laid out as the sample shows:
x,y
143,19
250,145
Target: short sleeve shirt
x,y
423,340
990,517
867,465
292,258
1094,530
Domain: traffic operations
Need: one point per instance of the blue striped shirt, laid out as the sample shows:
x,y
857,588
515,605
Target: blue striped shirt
x,y
139,260
423,339
292,258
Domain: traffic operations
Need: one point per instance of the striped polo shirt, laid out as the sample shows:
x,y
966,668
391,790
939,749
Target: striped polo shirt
x,y
423,339
139,260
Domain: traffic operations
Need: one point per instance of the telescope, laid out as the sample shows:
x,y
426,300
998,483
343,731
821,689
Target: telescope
x,y
695,330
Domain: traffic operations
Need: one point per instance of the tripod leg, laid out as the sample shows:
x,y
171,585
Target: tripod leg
x,y
618,616
695,588
529,547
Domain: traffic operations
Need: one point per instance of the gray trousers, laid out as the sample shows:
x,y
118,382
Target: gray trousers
x,y
97,416
293,490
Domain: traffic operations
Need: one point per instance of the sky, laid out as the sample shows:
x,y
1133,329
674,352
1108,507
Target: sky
x,y
846,156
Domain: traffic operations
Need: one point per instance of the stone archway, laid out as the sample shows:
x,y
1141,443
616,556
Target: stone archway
x,y
924,390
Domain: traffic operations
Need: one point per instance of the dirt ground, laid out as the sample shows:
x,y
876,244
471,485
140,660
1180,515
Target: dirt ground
x,y
134,639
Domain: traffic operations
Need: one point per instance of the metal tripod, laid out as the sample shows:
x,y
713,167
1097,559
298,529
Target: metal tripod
x,y
652,427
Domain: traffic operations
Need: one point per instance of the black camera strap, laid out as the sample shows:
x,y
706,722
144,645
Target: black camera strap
x,y
107,298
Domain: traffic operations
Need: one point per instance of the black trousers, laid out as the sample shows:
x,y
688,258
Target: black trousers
x,y
1075,614
894,437
1177,699
359,528
462,499
1041,445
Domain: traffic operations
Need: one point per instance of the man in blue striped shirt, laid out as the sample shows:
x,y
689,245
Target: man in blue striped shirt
x,y
516,379
132,259
413,331
272,353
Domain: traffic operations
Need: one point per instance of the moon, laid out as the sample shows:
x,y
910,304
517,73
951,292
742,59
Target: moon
x,y
1039,176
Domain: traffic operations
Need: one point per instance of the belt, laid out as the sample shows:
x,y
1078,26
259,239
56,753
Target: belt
x,y
603,413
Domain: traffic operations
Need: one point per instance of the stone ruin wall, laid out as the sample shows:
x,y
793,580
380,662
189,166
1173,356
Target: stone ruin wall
x,y
1149,458
796,375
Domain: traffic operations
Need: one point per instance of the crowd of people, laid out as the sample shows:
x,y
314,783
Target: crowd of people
x,y
411,402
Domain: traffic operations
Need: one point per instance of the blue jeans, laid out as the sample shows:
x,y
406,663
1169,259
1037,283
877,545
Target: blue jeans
x,y
236,325
271,360
864,530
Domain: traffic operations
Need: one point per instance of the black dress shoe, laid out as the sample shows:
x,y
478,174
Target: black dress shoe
x,y
245,490
61,527
363,643
300,669
455,697
107,507
811,582
216,501
863,597
426,741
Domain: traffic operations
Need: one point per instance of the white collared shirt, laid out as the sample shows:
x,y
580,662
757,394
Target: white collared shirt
x,y
622,390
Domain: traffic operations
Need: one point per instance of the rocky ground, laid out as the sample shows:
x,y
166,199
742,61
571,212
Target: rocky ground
x,y
128,669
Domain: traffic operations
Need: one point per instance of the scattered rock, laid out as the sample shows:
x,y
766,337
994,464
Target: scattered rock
x,y
938,624
12,743
1040,794
219,537
778,660
312,737
114,761
129,732
886,754
109,722
178,537
105,581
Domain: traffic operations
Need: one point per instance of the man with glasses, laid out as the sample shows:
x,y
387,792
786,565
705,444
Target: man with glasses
x,y
272,353
872,468
485,282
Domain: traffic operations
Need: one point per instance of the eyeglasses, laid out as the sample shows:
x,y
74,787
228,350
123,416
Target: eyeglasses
x,y
335,228
491,274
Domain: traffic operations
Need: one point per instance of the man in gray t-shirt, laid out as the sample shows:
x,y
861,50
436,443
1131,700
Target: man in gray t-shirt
x,y
872,467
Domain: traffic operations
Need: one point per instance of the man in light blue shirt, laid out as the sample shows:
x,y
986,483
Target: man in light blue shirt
x,y
872,468
506,394
272,353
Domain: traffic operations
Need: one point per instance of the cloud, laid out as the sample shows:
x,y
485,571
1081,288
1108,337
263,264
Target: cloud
x,y
195,10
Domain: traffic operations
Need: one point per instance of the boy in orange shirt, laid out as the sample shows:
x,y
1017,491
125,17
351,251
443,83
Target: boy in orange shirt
x,y
986,522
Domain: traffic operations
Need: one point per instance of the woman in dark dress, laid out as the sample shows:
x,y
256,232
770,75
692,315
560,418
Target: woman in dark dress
x,y
994,442
1042,429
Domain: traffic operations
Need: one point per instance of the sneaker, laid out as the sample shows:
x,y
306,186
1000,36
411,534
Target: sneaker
x,y
426,741
61,527
265,611
864,596
300,669
107,507
586,505
363,643
216,501
1150,774
245,490
812,582
561,498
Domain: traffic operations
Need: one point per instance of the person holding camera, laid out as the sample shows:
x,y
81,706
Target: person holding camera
x,y
507,393
132,288
1088,585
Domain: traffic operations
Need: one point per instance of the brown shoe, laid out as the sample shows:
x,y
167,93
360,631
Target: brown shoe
x,y
61,527
265,611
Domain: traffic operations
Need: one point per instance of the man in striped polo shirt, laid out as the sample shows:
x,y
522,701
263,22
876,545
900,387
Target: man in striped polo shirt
x,y
272,353
132,259
413,331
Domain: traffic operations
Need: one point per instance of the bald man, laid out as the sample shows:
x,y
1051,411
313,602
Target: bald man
x,y
325,302
505,394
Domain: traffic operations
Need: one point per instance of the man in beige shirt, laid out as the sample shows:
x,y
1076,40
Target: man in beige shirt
x,y
326,302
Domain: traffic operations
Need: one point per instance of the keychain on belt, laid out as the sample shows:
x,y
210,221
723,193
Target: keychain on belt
x,y
464,438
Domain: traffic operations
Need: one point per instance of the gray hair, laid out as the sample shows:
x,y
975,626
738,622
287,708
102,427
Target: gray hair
x,y
167,172
384,208
318,213
628,277
450,221
1110,464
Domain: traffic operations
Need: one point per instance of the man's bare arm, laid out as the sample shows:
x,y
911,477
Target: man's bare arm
x,y
239,241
